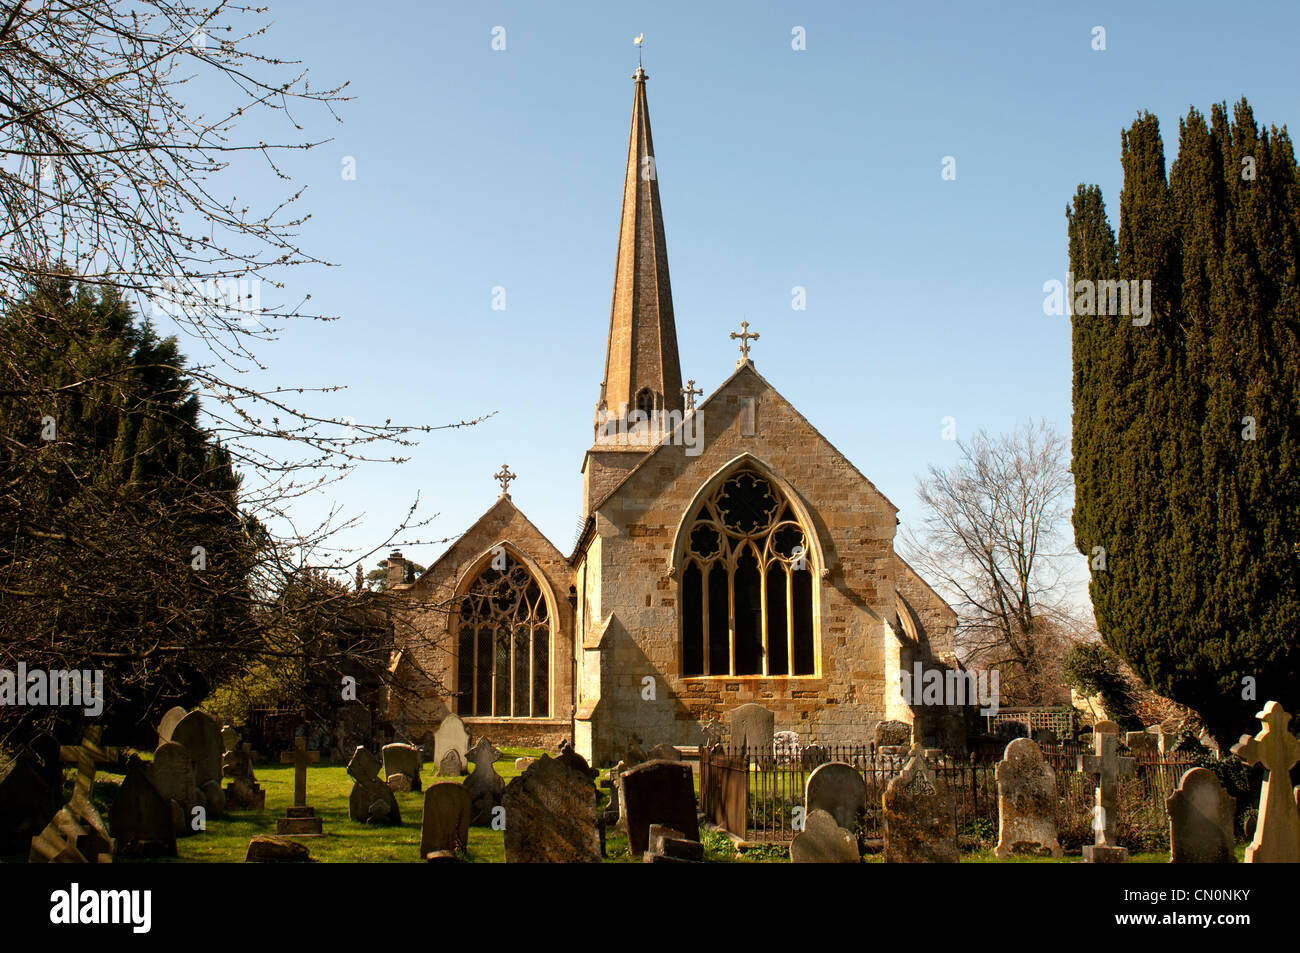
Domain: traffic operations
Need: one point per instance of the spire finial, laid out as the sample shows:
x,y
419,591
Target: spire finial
x,y
504,476
690,392
640,73
745,338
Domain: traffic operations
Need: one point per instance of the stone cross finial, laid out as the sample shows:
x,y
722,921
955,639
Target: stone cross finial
x,y
85,756
690,392
1277,832
300,757
1109,767
745,338
504,476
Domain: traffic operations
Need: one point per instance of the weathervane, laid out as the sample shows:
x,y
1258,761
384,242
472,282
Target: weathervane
x,y
637,43
505,476
745,338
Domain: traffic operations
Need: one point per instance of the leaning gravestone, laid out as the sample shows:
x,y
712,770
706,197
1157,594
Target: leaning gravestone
x,y
667,845
444,827
451,736
658,792
484,786
172,775
1277,832
1200,820
403,759
140,818
1026,802
822,841
170,719
77,834
371,800
550,814
200,734
839,790
751,728
920,817
27,802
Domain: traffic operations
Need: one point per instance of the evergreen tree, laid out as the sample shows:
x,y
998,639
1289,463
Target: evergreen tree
x,y
1187,428
110,488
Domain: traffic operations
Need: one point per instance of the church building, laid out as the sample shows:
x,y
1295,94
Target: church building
x,y
729,554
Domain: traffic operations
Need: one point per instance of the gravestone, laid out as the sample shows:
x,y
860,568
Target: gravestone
x,y
300,819
451,736
892,733
663,753
399,783
172,775
822,841
371,800
1026,802
550,813
404,759
712,731
484,786
658,792
140,818
1105,727
919,816
574,760
1200,820
521,764
237,766
813,755
667,845
268,849
1277,832
451,765
200,733
839,790
170,719
76,833
27,802
1109,767
750,726
444,825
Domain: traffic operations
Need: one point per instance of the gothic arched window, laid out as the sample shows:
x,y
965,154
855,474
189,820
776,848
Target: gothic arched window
x,y
504,644
747,584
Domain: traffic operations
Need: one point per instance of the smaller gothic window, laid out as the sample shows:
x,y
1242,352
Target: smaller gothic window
x,y
645,401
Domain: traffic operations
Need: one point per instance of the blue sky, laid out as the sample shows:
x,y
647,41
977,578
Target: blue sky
x,y
820,168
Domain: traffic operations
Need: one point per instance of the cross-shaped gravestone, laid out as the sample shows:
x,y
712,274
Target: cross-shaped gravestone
x,y
690,392
1109,767
745,338
504,476
300,819
85,756
300,757
1277,832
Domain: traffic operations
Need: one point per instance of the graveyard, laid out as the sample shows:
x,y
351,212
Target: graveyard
x,y
747,798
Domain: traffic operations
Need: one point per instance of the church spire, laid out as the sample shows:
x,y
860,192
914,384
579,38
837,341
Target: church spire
x,y
642,370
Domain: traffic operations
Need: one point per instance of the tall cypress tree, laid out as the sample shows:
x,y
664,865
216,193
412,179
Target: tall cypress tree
x,y
1187,430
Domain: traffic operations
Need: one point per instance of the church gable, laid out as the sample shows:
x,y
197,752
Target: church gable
x,y
502,574
827,648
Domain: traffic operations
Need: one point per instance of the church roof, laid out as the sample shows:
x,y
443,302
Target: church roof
x,y
503,510
642,348
744,366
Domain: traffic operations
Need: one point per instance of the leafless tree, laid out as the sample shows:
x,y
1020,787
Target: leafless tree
x,y
112,175
993,536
